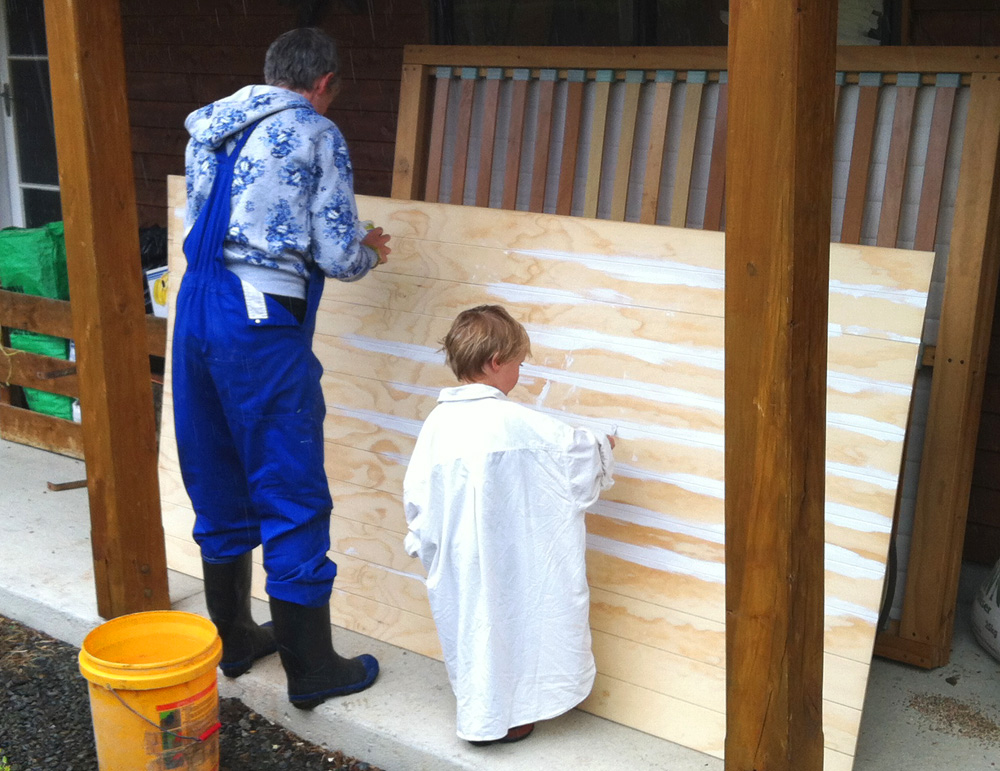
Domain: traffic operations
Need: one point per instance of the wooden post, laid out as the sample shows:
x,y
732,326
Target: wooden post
x,y
87,67
778,191
411,129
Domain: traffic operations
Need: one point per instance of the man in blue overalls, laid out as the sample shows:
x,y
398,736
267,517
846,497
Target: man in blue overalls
x,y
270,212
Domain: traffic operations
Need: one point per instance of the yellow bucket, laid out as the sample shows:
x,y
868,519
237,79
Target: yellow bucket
x,y
154,695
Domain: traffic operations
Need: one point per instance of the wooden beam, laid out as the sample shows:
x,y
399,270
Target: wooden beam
x,y
778,190
959,377
87,67
409,168
55,317
43,431
930,59
43,373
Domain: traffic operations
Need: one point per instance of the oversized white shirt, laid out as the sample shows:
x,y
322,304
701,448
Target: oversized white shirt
x,y
495,495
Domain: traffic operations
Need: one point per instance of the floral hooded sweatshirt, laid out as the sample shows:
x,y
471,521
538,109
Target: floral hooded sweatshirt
x,y
292,195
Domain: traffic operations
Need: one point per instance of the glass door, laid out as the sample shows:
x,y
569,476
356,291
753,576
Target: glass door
x,y
31,186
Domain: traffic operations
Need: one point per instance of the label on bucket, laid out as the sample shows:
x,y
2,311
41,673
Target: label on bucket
x,y
189,739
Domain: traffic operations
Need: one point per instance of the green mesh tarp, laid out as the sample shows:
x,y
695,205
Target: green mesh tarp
x,y
33,261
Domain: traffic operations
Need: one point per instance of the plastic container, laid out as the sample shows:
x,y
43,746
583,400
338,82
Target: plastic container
x,y
154,696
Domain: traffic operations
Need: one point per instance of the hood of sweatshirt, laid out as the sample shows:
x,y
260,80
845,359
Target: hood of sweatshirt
x,y
215,123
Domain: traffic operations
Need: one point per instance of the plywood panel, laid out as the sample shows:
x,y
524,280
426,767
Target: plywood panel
x,y
626,326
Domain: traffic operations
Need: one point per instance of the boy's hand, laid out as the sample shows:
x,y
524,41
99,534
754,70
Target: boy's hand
x,y
611,441
378,240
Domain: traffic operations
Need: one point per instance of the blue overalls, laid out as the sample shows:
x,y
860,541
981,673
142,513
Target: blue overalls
x,y
248,412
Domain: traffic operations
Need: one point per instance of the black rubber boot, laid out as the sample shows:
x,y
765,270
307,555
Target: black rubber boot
x,y
315,672
227,594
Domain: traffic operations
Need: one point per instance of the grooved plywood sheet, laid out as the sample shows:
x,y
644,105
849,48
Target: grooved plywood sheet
x,y
626,323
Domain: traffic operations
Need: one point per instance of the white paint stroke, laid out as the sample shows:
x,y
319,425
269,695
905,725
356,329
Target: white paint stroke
x,y
847,563
412,351
567,339
855,330
540,399
714,572
405,426
861,520
911,297
637,515
837,514
659,559
519,293
637,269
403,573
860,424
860,331
418,390
714,488
884,479
402,460
856,384
621,387
834,606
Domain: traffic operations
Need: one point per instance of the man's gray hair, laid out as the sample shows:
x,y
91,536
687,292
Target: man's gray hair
x,y
298,57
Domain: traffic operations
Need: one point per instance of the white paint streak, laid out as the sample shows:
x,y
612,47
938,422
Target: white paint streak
x,y
647,350
860,331
540,400
404,574
405,426
857,519
859,424
639,270
911,297
419,390
883,479
855,384
834,606
847,563
690,482
659,559
420,353
402,460
637,515
619,387
517,293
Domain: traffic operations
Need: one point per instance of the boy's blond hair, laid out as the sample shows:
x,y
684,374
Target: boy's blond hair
x,y
477,335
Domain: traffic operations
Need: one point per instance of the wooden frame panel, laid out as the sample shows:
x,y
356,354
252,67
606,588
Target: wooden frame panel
x,y
956,393
926,643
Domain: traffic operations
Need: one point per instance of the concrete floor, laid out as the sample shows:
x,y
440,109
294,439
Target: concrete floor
x,y
913,719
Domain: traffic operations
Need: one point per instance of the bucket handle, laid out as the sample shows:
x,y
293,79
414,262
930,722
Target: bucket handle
x,y
202,737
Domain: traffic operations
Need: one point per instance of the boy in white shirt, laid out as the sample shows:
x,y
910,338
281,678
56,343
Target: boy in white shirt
x,y
495,496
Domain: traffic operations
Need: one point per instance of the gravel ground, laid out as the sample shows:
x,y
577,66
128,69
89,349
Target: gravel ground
x,y
45,717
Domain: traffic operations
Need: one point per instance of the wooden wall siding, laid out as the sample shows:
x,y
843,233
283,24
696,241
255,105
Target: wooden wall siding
x,y
611,347
181,55
947,22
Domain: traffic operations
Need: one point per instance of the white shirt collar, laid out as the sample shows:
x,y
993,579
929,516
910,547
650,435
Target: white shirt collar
x,y
470,392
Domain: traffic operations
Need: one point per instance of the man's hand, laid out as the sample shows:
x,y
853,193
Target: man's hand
x,y
611,441
378,240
